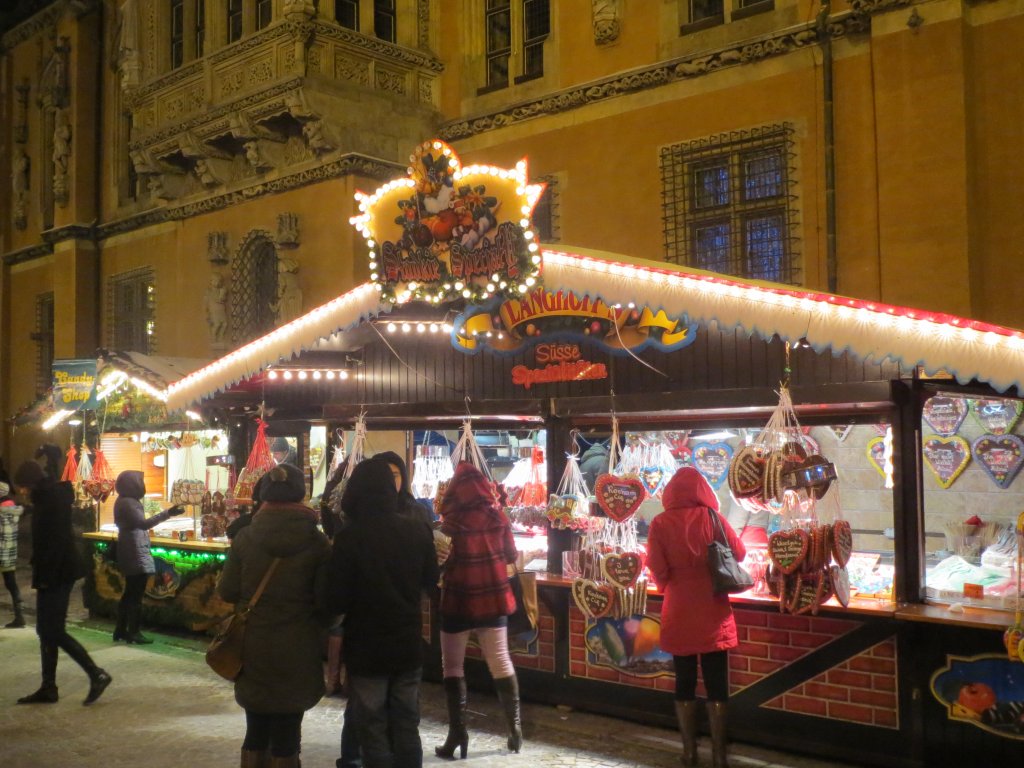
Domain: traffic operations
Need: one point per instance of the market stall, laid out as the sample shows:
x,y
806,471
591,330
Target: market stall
x,y
829,427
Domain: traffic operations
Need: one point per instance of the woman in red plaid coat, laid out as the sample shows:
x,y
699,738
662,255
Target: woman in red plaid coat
x,y
476,596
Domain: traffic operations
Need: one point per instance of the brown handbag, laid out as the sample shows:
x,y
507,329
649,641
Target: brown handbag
x,y
224,656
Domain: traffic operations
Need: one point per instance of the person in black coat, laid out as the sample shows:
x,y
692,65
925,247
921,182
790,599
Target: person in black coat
x,y
56,567
407,503
381,564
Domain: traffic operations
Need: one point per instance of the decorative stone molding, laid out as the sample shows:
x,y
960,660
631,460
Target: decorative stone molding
x,y
871,7
29,253
423,24
778,43
379,48
69,232
217,248
288,230
21,117
607,15
53,83
317,138
40,22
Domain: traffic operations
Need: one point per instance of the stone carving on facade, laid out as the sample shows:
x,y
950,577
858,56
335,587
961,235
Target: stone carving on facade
x,y
315,132
423,24
870,7
61,155
288,230
607,15
254,156
128,58
217,248
302,8
19,186
21,116
289,295
217,310
53,83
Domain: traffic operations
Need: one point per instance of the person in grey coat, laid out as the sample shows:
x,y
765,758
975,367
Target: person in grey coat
x,y
133,557
282,675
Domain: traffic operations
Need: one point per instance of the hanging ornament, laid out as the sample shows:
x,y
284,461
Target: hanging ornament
x,y
260,461
101,482
70,472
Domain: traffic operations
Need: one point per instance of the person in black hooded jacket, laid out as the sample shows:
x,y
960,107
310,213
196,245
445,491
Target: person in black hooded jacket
x,y
56,566
382,563
407,503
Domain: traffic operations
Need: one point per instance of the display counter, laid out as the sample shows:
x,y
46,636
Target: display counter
x,y
181,594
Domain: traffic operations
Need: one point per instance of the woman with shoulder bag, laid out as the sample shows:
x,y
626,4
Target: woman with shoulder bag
x,y
695,622
476,596
281,676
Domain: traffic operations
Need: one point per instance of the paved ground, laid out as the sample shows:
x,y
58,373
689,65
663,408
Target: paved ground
x,y
165,708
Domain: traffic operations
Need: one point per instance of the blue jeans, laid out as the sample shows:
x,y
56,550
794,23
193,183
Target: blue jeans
x,y
388,719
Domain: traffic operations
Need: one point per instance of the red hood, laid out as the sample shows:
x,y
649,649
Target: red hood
x,y
688,489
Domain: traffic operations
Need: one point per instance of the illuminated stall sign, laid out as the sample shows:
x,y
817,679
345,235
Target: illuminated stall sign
x,y
74,384
543,315
562,362
449,232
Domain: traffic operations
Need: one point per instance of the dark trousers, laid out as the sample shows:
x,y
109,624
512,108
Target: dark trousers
x,y
51,618
715,669
387,713
11,582
281,733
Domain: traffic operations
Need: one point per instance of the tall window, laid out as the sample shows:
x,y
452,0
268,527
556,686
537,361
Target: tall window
x,y
131,311
177,33
234,20
728,204
264,13
200,27
43,337
545,212
706,11
536,27
514,35
498,20
384,20
346,13
254,289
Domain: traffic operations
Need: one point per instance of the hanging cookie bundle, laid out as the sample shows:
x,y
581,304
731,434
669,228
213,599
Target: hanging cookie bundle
x,y
100,483
259,462
809,566
569,506
191,486
650,459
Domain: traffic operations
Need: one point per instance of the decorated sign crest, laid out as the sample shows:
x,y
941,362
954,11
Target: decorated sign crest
x,y
450,232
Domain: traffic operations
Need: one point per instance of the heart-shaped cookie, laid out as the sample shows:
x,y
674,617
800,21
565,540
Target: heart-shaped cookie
x,y
594,600
746,472
996,417
945,414
842,542
840,584
619,497
651,478
1000,456
946,457
712,461
808,593
787,549
622,570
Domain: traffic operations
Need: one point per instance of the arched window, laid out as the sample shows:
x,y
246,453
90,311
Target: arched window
x,y
254,288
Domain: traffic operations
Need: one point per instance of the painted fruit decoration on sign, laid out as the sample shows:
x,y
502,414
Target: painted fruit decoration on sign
x,y
945,414
712,461
876,453
1000,456
946,457
619,497
996,417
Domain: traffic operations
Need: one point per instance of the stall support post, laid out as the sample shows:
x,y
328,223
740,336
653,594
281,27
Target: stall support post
x,y
554,453
908,509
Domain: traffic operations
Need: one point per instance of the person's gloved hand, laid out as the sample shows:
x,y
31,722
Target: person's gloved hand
x,y
176,510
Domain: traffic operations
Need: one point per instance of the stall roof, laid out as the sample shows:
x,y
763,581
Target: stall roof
x,y
967,349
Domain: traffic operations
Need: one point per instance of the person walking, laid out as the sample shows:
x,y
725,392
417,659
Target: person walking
x,y
695,622
382,563
476,596
10,515
56,567
281,674
133,555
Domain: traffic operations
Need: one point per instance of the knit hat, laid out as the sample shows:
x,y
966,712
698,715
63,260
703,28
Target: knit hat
x,y
4,489
284,482
28,474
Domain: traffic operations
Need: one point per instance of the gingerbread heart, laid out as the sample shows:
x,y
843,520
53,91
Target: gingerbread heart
x,y
624,569
1000,456
945,414
594,600
651,478
746,472
946,457
840,585
842,542
807,595
619,497
787,549
996,417
712,461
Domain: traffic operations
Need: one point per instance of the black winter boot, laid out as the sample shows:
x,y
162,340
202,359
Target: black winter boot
x,y
134,636
455,696
508,694
47,693
121,630
98,678
19,616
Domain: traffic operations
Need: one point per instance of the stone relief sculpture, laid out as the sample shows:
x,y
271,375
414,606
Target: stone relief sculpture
x,y
61,155
289,295
217,247
287,230
19,187
313,131
127,58
216,309
606,15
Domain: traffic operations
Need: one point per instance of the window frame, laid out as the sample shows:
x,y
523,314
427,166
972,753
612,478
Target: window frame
x,y
176,33
132,328
525,51
385,13
234,10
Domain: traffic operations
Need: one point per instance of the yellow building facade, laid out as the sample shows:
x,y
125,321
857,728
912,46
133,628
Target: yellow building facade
x,y
180,173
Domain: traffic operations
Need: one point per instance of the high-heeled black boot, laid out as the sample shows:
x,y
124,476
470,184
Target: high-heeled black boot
x,y
99,679
508,694
133,635
47,693
458,736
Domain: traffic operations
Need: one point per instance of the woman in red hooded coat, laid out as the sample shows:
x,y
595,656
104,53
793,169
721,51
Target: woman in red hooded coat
x,y
476,597
694,621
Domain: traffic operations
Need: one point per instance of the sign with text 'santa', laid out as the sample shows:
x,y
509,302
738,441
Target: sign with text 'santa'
x,y
448,231
74,384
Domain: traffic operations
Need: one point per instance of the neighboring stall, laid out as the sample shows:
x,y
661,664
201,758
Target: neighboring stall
x,y
915,412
